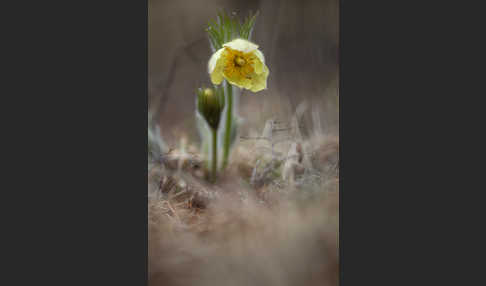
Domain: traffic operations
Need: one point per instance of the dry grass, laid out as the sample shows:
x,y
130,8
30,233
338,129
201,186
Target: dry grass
x,y
271,219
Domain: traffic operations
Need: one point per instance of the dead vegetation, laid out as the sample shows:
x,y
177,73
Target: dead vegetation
x,y
272,218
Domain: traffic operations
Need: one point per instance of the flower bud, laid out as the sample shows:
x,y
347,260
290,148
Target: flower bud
x,y
210,104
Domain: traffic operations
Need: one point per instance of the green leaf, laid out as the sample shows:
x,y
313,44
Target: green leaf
x,y
228,27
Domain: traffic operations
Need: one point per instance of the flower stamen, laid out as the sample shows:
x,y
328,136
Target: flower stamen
x,y
240,61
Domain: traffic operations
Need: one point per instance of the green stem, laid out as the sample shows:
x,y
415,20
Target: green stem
x,y
229,117
215,155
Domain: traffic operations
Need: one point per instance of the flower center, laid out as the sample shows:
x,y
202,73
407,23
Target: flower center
x,y
240,61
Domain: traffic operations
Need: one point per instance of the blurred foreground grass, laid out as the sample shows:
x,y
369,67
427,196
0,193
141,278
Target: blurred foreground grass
x,y
273,216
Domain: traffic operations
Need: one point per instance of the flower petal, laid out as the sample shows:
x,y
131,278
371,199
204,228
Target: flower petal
x,y
213,60
216,67
241,45
259,62
259,81
238,80
260,56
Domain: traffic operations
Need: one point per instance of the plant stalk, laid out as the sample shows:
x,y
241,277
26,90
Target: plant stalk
x,y
215,155
229,118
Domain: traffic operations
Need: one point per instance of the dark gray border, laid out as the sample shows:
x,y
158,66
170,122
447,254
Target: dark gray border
x,y
78,123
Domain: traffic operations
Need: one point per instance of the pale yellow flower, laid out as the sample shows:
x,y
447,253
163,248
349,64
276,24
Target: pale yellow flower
x,y
241,64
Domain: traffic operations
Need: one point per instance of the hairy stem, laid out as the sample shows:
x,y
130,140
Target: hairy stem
x,y
215,155
229,118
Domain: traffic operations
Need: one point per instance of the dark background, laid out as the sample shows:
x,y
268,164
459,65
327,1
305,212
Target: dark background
x,y
298,38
